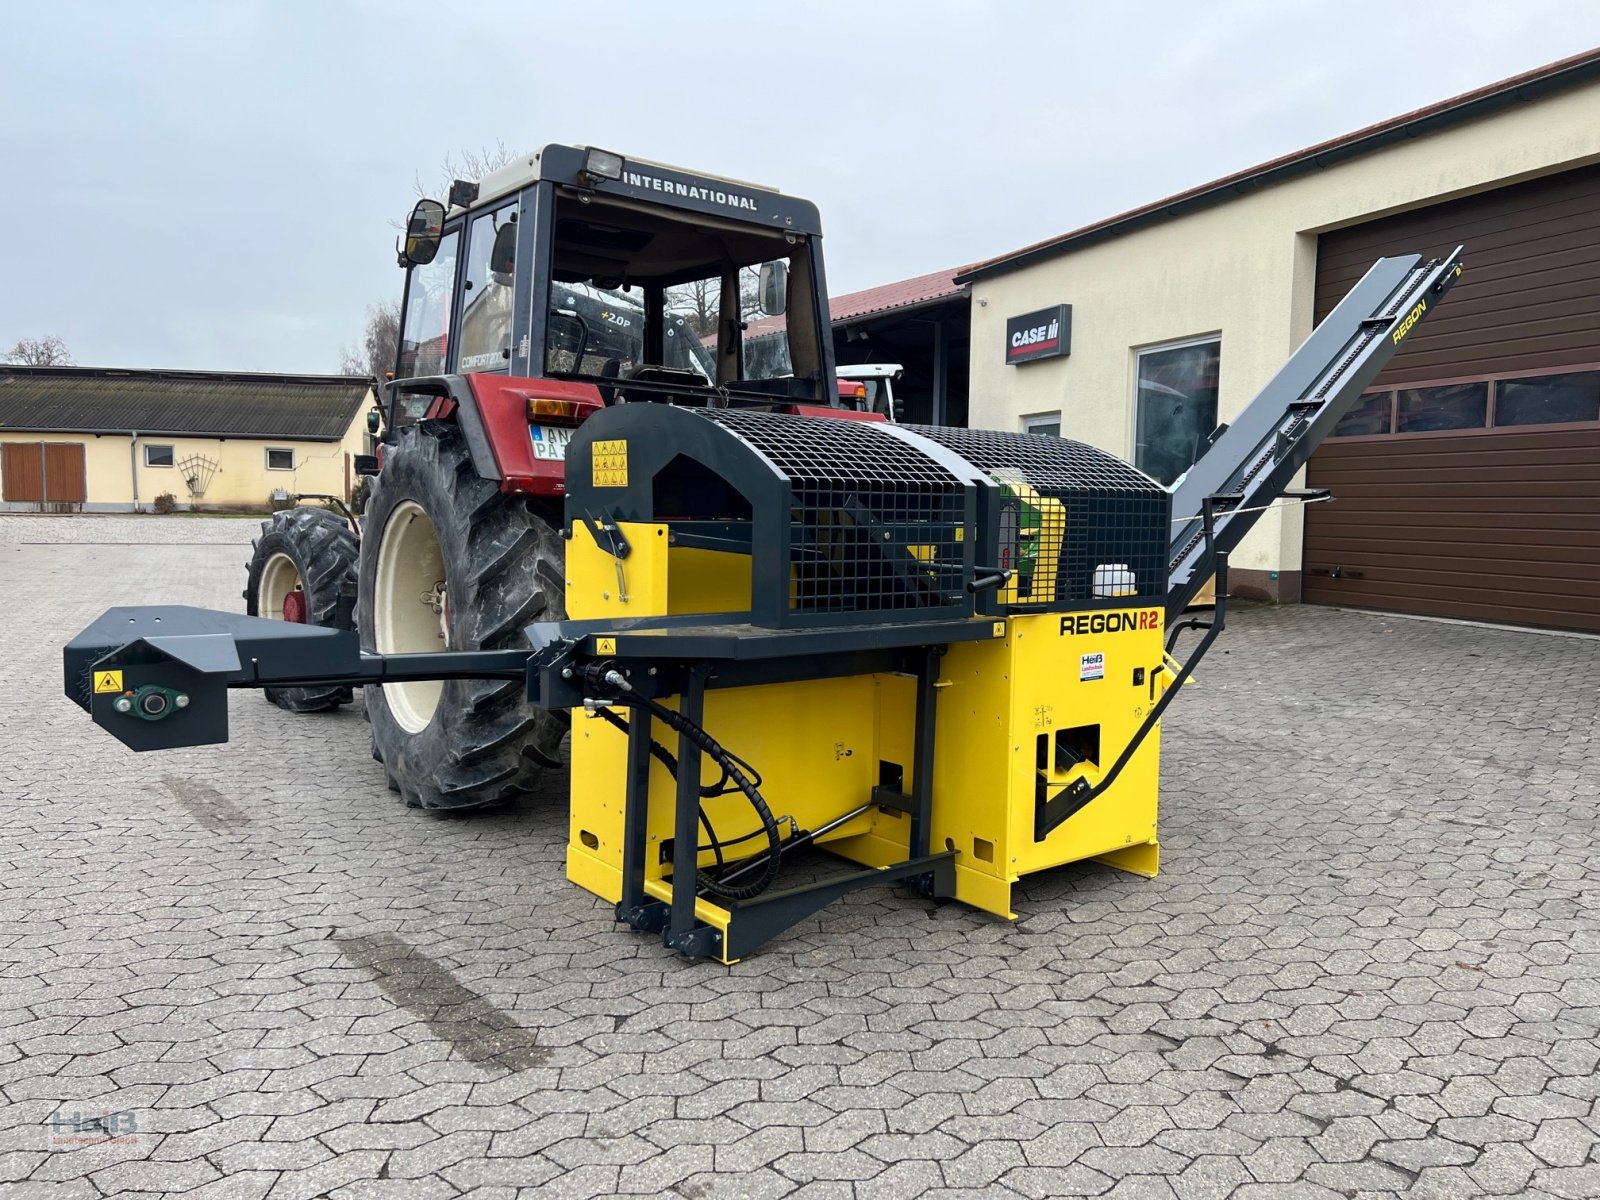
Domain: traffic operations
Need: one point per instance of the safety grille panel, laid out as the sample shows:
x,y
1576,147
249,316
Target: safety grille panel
x,y
875,525
1076,523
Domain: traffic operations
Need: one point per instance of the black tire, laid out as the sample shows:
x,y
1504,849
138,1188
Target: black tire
x,y
502,558
323,548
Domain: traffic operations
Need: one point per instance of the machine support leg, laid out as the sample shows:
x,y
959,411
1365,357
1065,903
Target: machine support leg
x,y
686,826
922,755
636,820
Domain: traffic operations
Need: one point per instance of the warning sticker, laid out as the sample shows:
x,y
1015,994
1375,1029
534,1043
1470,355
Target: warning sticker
x,y
605,645
610,465
1091,666
107,681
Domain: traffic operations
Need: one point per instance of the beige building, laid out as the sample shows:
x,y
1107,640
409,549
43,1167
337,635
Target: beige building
x,y
90,439
1469,482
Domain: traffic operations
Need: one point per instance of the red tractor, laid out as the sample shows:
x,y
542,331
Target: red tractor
x,y
539,295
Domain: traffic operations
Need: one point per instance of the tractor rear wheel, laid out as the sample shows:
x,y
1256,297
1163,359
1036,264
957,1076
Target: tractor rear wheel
x,y
298,566
449,563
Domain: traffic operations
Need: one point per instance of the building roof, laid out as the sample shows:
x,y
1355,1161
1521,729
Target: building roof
x,y
316,408
907,293
1541,81
890,297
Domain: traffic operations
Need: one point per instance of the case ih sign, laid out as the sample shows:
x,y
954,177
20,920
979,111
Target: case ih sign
x,y
1043,334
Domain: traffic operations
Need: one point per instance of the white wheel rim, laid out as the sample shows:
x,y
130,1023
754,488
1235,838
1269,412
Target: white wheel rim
x,y
278,578
410,568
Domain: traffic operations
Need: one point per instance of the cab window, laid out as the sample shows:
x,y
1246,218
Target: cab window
x,y
486,291
430,296
614,263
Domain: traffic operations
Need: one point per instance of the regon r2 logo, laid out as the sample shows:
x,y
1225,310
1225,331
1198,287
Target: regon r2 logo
x,y
1110,622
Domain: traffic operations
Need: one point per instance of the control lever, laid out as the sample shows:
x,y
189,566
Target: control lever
x,y
992,577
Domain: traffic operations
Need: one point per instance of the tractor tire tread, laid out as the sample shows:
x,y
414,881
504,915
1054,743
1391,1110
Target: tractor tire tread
x,y
325,552
485,745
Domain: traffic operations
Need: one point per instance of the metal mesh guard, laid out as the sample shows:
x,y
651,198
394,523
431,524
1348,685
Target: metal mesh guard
x,y
1077,523
874,524
826,450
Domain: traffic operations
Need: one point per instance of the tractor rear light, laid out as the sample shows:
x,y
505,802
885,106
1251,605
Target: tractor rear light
x,y
543,409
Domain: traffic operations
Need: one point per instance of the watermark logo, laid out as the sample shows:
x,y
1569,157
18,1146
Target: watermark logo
x,y
105,1128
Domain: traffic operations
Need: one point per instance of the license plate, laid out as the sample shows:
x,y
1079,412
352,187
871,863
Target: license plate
x,y
549,441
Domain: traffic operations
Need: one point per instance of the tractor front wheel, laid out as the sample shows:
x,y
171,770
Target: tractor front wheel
x,y
449,563
297,568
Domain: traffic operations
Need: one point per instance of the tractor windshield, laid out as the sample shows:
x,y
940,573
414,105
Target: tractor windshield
x,y
642,293
606,325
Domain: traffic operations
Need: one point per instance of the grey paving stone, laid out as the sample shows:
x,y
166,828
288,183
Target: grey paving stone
x,y
1360,970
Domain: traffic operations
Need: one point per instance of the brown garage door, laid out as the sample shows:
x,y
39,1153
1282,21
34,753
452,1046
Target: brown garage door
x,y
1468,485
49,475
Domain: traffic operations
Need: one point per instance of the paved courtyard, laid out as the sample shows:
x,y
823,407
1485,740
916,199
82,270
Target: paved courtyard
x,y
1370,966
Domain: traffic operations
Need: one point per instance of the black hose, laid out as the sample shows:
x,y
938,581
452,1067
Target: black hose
x,y
732,772
666,758
716,845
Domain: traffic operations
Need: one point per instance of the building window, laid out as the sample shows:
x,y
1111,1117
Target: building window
x,y
280,460
1043,423
1175,409
1569,398
157,455
1434,409
1548,399
1373,414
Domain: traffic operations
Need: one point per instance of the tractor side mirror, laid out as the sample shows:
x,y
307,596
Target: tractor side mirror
x,y
774,287
374,420
424,228
503,255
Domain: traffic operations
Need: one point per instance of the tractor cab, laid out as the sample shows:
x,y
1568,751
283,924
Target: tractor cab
x,y
633,281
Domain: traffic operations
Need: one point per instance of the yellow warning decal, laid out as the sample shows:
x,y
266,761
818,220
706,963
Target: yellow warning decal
x,y
107,681
605,645
999,629
610,466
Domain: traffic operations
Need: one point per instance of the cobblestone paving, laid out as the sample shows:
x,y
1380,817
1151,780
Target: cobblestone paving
x,y
1369,967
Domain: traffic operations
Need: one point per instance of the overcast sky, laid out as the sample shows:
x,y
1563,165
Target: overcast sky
x,y
213,185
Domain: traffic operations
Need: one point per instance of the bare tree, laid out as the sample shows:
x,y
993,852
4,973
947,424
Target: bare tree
x,y
699,303
374,354
47,351
468,164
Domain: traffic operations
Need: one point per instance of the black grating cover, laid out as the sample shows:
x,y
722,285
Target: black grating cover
x,y
874,524
1071,507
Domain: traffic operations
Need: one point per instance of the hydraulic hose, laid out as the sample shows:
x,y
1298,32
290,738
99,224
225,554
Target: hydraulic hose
x,y
665,758
732,771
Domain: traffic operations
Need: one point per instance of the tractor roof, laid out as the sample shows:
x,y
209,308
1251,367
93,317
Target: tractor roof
x,y
524,170
655,183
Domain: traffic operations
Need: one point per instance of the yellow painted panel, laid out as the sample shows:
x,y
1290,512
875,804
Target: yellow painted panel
x,y
593,586
815,744
707,581
1052,672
